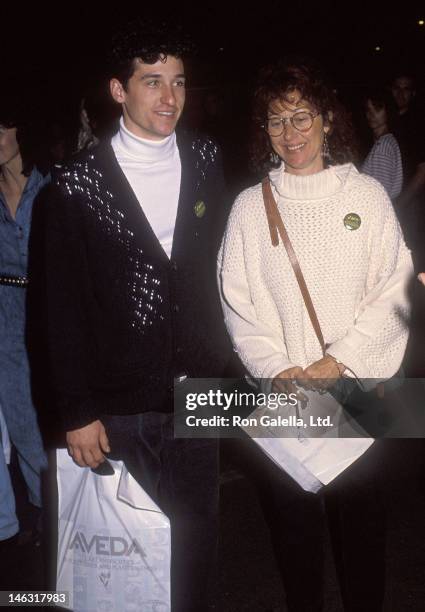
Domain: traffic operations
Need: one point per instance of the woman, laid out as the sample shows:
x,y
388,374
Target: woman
x,y
384,159
20,183
356,266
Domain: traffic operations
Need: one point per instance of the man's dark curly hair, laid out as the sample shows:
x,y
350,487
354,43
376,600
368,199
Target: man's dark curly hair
x,y
148,40
275,83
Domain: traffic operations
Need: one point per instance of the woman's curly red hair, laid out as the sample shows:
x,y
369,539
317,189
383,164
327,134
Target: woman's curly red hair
x,y
275,83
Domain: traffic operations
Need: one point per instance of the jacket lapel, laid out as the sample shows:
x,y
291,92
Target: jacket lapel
x,y
188,190
126,203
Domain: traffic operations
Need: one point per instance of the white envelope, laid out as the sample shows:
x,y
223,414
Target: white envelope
x,y
311,462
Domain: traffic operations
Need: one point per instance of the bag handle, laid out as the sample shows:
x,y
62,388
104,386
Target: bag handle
x,y
276,226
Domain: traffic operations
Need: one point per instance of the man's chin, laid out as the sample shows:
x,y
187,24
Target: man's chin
x,y
166,130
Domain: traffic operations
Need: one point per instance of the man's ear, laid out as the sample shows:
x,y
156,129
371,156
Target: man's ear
x,y
117,91
327,121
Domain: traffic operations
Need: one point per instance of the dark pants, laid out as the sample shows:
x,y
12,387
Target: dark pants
x,y
181,475
356,516
357,519
296,521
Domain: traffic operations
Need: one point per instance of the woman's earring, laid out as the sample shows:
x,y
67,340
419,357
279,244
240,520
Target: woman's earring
x,y
326,153
274,158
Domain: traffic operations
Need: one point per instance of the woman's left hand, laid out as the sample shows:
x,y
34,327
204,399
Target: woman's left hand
x,y
421,277
325,371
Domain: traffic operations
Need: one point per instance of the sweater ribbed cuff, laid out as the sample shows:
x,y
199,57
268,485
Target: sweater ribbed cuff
x,y
345,354
354,365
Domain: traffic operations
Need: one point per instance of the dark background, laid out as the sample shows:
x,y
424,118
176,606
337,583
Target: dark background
x,y
62,46
52,56
53,53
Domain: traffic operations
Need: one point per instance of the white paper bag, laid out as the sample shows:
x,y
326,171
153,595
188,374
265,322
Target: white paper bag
x,y
311,461
114,542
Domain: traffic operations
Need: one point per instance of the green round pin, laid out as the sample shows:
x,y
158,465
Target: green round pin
x,y
352,221
199,209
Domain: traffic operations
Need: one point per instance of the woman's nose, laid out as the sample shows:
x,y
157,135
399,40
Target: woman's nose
x,y
288,130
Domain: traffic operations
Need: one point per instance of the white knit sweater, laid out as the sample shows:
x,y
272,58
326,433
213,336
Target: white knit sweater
x,y
357,278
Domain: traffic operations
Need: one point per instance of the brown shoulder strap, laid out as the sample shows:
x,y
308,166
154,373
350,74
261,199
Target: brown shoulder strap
x,y
276,225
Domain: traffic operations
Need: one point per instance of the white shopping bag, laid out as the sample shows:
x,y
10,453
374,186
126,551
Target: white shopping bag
x,y
311,461
114,542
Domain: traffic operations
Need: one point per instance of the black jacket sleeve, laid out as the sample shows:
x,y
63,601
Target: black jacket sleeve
x,y
69,299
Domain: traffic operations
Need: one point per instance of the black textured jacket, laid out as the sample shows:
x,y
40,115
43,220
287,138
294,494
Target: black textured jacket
x,y
123,318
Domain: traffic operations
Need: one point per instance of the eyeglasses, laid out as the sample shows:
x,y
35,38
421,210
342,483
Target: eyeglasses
x,y
301,121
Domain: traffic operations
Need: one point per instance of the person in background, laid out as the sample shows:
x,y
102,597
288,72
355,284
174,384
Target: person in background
x,y
87,139
409,130
383,161
98,116
20,183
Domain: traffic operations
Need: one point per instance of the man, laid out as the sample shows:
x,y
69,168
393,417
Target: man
x,y
132,235
409,131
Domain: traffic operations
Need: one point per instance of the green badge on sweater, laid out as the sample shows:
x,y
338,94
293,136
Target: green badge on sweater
x,y
200,209
352,221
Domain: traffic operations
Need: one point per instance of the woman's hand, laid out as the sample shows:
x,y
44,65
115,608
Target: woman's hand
x,y
326,370
283,382
421,277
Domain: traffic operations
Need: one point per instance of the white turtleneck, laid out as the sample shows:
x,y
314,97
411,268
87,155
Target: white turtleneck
x,y
153,170
357,278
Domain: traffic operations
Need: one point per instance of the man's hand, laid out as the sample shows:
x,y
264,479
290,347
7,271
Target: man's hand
x,y
421,277
87,445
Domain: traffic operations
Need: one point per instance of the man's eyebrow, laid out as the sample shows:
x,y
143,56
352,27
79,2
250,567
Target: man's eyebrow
x,y
158,76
